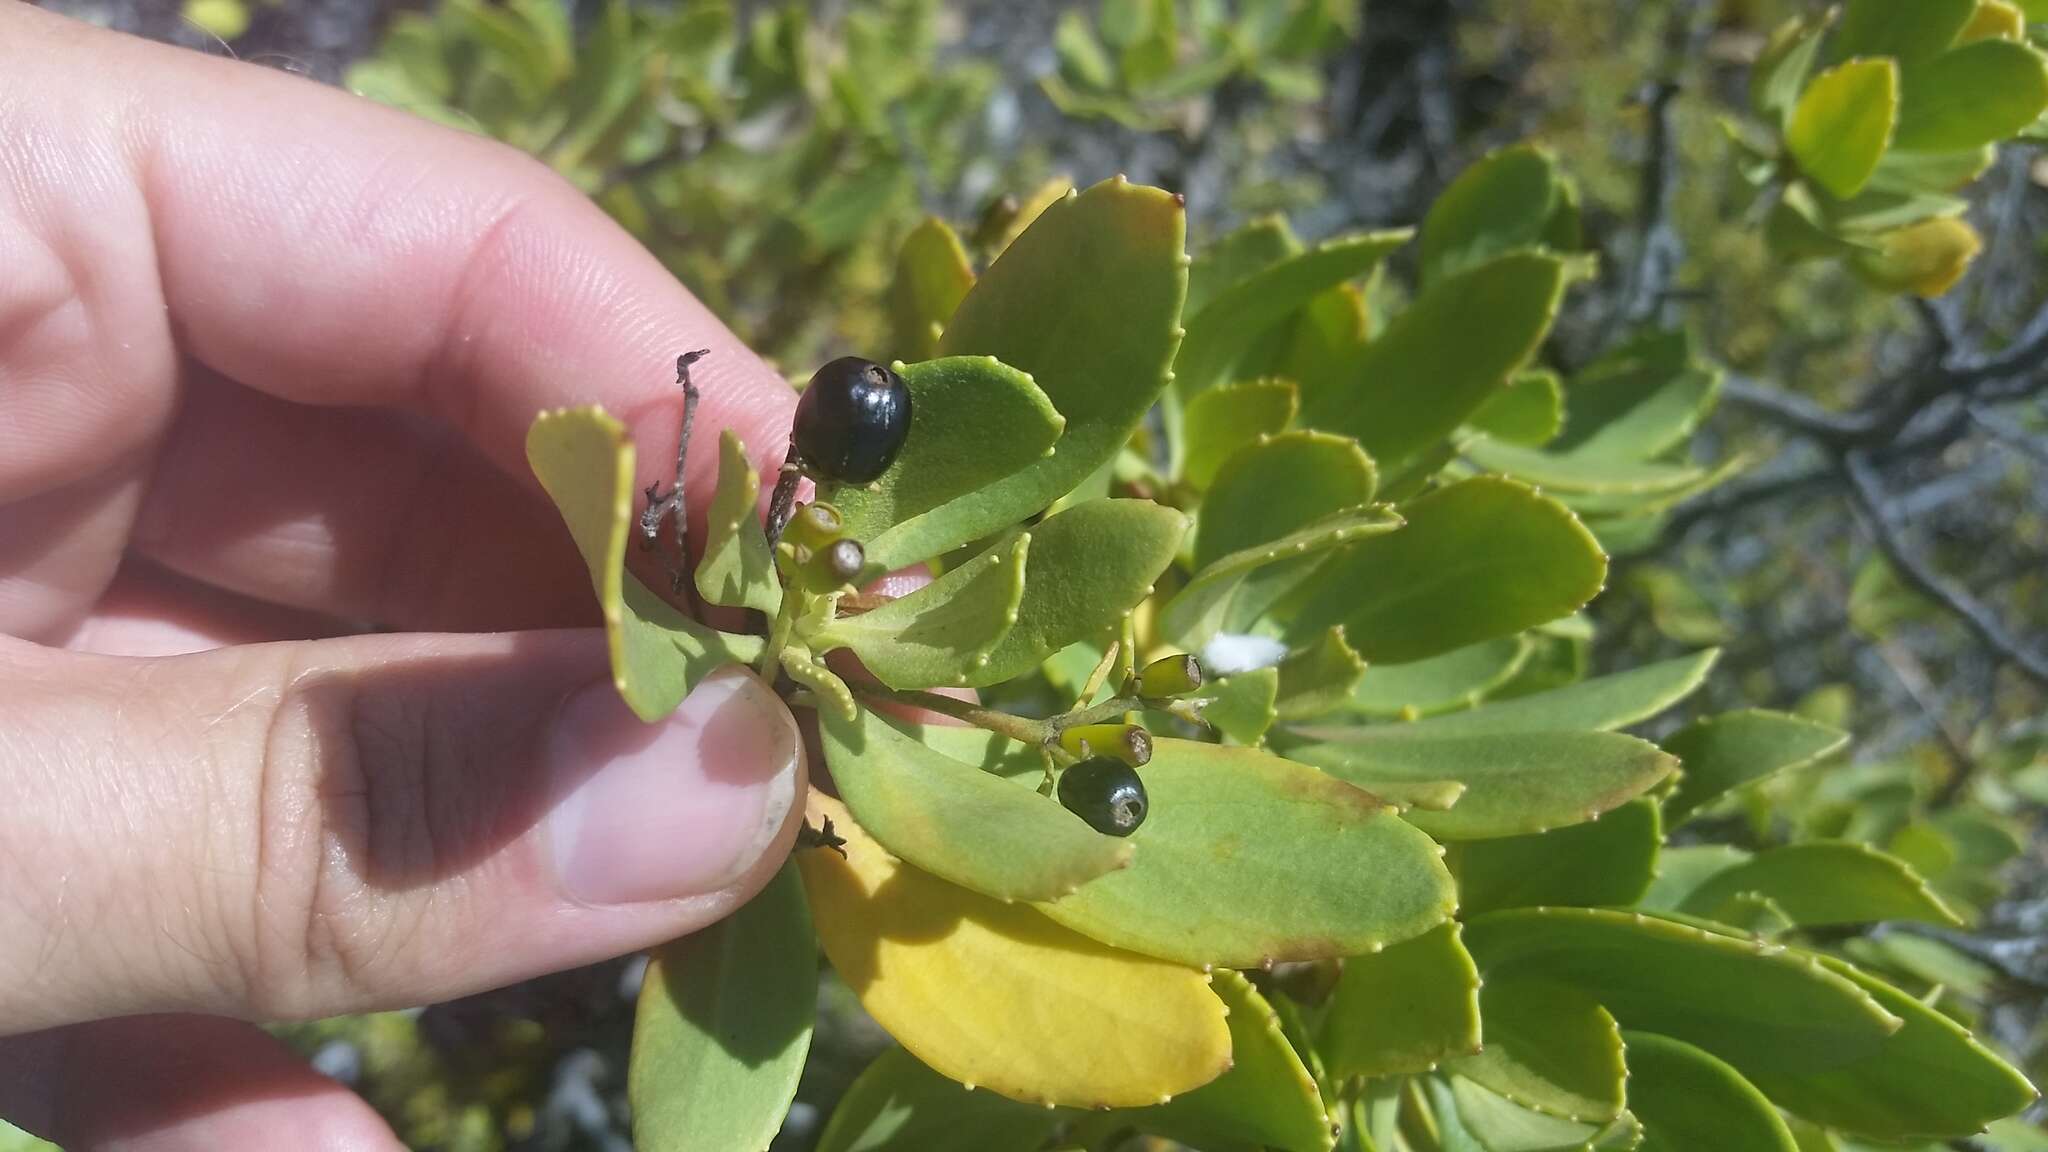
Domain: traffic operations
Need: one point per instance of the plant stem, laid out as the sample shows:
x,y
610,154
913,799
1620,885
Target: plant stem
x,y
1018,728
778,632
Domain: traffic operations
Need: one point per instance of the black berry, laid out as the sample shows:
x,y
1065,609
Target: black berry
x,y
852,420
1106,793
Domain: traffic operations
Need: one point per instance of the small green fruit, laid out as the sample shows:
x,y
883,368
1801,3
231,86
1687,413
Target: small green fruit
x,y
1106,793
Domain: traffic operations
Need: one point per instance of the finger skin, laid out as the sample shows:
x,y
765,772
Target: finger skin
x,y
160,209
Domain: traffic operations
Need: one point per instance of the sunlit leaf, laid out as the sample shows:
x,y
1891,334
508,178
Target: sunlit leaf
x,y
1726,751
1279,485
1760,1008
1842,123
1493,1123
1266,1101
932,277
1911,30
1682,869
1823,882
957,822
1529,411
583,459
1237,256
1600,704
1549,1047
997,996
1201,608
1087,301
1223,420
737,570
724,1024
1781,68
1318,679
1688,1101
1501,203
832,694
1609,861
1245,857
1241,706
1455,679
1972,96
974,422
1926,259
939,633
1478,559
1515,783
1403,1009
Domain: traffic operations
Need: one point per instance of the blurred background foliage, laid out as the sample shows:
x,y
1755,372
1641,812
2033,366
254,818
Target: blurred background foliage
x,y
776,155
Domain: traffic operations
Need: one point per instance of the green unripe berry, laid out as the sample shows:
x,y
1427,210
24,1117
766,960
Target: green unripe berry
x,y
1129,743
815,526
1170,676
835,566
1106,793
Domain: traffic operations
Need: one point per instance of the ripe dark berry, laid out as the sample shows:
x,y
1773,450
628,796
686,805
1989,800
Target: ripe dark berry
x,y
852,420
1106,793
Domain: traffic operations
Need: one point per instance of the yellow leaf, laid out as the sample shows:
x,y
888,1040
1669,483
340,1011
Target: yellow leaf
x,y
998,996
1993,20
1925,259
1843,123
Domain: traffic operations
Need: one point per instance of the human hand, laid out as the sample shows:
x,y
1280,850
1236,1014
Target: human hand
x,y
268,354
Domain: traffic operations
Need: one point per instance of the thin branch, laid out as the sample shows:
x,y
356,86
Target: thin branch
x,y
1920,575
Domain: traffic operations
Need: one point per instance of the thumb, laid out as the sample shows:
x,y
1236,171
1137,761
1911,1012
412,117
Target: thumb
x,y
303,829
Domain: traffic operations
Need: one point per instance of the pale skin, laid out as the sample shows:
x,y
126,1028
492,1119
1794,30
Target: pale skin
x,y
284,621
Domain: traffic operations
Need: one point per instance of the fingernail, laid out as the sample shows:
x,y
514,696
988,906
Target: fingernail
x,y
674,809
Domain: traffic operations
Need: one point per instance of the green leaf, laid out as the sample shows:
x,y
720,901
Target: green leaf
x,y
1227,418
1266,1100
833,696
1640,399
1433,366
1083,60
1277,486
1515,783
1607,861
585,462
1726,751
1403,1009
932,277
1780,70
939,633
1478,559
724,1024
1688,1101
1600,704
897,1104
1100,559
960,823
1498,1124
1549,1047
1681,870
1929,1079
1975,95
1502,203
1823,882
1198,611
1757,1008
1530,410
1087,301
1318,679
1931,171
1843,122
1219,335
1911,30
737,570
1241,707
1237,256
1245,858
1570,472
977,421
1458,678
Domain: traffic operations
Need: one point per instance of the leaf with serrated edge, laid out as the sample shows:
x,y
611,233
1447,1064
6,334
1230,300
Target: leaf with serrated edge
x,y
1529,411
585,462
1279,485
1731,749
1404,1009
1457,679
1224,419
1087,301
998,996
1267,1100
1099,559
1599,704
898,1105
1501,203
724,1024
1825,882
737,570
1498,1124
974,422
1477,559
1682,869
958,822
1929,1080
1318,679
1219,335
1515,783
1240,707
1197,612
936,634
1609,861
1688,1101
1549,1047
1571,472
932,276
1755,1005
1843,122
1245,857
832,692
